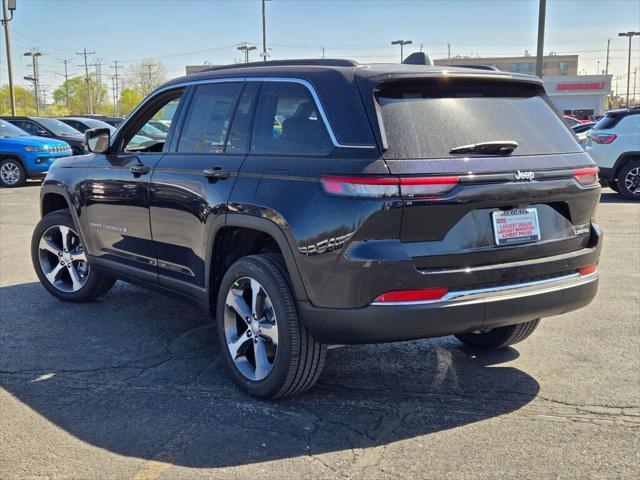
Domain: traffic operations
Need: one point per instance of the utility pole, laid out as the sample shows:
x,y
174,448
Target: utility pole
x,y
34,54
402,43
246,48
635,73
598,68
323,53
448,54
84,53
264,31
116,86
630,35
5,23
66,77
149,87
542,8
606,65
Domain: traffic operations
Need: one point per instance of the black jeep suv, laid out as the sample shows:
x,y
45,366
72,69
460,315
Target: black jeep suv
x,y
311,203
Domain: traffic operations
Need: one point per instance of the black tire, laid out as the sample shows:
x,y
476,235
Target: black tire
x,y
623,188
299,359
15,166
613,185
500,337
95,284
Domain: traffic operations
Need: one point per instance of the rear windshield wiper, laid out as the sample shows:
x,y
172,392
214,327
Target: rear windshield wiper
x,y
505,147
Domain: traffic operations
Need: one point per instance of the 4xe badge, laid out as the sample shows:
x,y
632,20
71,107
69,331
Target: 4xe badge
x,y
524,176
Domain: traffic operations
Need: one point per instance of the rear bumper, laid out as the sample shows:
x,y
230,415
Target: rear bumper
x,y
460,311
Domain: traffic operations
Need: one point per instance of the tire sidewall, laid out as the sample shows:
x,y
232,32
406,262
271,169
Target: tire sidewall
x,y
61,217
622,174
252,268
23,173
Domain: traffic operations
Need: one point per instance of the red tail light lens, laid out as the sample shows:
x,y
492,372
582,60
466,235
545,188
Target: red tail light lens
x,y
587,269
388,186
587,176
412,295
604,139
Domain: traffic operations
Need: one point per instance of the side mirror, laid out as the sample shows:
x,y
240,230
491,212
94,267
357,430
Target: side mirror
x,y
97,139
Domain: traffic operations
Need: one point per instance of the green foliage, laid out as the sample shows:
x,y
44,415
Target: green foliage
x,y
25,103
129,99
72,95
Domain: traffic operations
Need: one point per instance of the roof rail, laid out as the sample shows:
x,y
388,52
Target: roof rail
x,y
283,63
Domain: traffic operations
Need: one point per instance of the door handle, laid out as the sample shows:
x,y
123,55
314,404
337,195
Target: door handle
x,y
216,173
139,169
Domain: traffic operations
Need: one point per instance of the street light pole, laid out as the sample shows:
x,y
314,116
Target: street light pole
x,y
630,35
264,31
540,51
7,39
402,43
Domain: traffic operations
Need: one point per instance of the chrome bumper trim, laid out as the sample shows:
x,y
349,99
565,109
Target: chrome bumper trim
x,y
505,291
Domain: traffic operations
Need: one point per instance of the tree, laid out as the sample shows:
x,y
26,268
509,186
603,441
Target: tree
x,y
73,95
25,104
146,75
129,99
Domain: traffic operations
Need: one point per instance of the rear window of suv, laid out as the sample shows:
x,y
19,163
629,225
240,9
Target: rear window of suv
x,y
426,118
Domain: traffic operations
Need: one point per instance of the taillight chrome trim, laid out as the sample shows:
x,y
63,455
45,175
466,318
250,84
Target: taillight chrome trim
x,y
506,291
389,186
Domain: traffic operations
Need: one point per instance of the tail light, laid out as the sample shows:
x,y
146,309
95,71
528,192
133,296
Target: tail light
x,y
603,139
587,176
412,295
587,269
388,186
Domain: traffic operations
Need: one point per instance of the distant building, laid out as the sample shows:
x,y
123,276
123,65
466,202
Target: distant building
x,y
552,65
197,68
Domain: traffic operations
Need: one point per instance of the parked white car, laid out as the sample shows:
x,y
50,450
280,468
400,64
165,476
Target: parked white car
x,y
614,144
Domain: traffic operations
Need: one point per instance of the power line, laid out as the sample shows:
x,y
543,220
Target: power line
x,y
115,86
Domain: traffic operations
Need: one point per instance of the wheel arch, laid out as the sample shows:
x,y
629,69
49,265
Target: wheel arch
x,y
622,160
14,156
259,232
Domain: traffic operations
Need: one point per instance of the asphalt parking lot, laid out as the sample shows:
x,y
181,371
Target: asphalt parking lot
x,y
132,387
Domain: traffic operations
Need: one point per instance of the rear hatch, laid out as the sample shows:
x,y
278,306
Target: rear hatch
x,y
489,173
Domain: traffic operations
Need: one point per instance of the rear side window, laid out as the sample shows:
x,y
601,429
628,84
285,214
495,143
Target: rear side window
x,y
288,123
427,118
208,118
240,132
611,121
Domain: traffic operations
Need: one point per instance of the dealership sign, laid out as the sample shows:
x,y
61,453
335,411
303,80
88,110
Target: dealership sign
x,y
580,86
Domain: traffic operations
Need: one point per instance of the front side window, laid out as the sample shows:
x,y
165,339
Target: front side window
x,y
288,122
57,127
208,118
29,127
144,137
9,131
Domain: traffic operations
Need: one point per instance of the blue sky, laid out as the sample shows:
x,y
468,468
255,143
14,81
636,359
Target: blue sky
x,y
184,32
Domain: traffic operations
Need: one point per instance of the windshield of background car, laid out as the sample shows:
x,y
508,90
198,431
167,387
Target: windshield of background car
x,y
93,123
58,127
426,118
9,131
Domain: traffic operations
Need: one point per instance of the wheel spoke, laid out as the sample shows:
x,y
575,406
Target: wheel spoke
x,y
49,246
52,276
79,256
64,232
257,299
235,346
262,362
75,278
270,331
237,303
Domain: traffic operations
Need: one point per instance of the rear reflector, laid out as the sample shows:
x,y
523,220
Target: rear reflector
x,y
587,176
587,269
388,186
604,139
412,295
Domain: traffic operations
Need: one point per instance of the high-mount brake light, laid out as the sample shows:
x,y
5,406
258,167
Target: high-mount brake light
x,y
388,186
586,176
422,295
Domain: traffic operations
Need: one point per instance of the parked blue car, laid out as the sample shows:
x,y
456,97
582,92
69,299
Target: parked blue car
x,y
25,156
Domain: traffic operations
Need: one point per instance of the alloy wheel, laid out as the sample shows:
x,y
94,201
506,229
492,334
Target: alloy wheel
x,y
632,180
250,328
62,259
10,173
